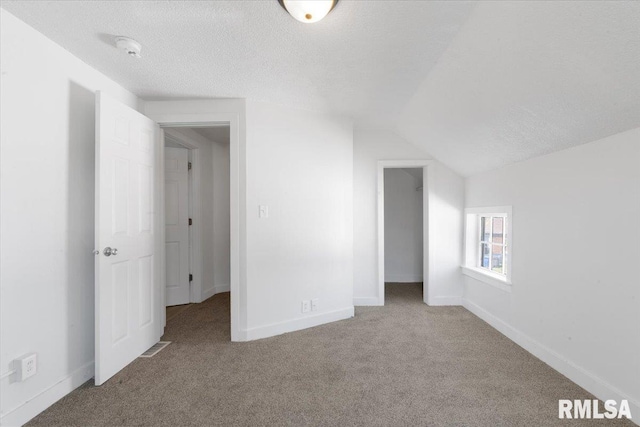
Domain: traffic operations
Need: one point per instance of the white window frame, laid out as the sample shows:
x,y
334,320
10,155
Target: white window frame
x,y
490,243
473,245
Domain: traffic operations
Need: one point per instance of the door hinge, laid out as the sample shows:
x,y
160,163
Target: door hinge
x,y
191,277
190,221
189,166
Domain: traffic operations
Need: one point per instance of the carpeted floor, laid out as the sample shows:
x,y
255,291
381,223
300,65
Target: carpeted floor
x,y
175,310
402,364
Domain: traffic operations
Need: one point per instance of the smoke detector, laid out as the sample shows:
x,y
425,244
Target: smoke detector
x,y
130,46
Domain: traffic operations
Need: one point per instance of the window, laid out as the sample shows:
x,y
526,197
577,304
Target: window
x,y
493,244
488,245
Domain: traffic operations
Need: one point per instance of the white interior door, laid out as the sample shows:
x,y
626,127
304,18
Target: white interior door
x,y
176,199
128,275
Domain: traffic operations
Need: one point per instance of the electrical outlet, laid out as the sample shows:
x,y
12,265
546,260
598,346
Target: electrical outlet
x,y
314,304
26,366
306,306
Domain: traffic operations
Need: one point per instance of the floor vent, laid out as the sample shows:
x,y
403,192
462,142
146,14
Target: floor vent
x,y
155,349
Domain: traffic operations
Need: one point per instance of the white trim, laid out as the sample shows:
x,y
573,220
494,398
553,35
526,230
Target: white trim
x,y
445,301
490,210
400,164
366,301
585,379
298,324
486,277
403,278
161,228
40,402
232,111
471,244
196,248
214,290
427,185
208,293
218,289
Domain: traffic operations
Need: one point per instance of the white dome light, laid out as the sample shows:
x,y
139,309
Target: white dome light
x,y
308,11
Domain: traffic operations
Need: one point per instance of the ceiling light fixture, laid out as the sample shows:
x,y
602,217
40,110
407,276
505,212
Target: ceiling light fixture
x,y
308,11
130,46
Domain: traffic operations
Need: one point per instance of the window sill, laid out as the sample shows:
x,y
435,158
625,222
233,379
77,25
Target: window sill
x,y
488,278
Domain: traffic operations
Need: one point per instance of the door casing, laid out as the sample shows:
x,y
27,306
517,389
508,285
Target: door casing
x,y
427,244
194,114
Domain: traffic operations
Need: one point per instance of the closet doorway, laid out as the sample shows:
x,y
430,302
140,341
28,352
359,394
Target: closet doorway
x,y
403,224
403,228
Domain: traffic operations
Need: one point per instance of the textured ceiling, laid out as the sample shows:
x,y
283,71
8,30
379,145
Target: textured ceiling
x,y
476,85
364,60
522,79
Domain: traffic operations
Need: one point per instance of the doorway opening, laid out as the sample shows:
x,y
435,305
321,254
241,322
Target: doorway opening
x,y
403,225
197,214
130,291
403,231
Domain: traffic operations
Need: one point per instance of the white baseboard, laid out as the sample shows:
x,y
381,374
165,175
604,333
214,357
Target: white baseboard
x,y
208,293
296,324
444,301
402,278
32,407
365,301
590,382
221,288
434,301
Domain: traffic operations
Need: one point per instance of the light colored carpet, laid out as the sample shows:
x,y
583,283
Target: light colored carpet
x,y
402,364
175,310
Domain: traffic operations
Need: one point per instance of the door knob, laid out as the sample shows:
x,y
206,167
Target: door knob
x,y
110,251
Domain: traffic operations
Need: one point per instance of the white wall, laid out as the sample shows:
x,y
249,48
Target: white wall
x,y
446,217
403,247
446,203
575,299
369,146
47,215
300,165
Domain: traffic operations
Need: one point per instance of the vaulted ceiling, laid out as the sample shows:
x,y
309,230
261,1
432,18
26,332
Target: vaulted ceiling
x,y
476,85
522,79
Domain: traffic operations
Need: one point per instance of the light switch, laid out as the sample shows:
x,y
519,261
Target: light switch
x,y
263,211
